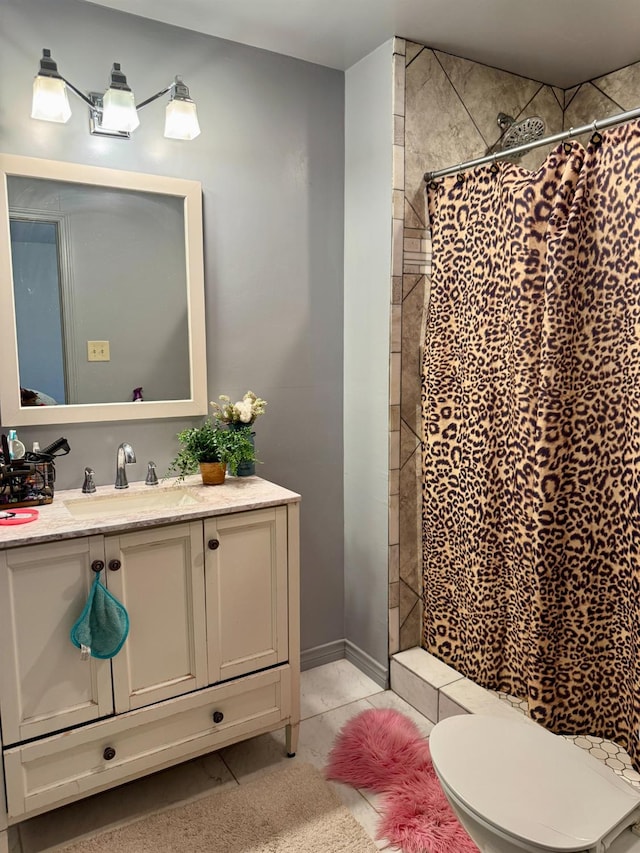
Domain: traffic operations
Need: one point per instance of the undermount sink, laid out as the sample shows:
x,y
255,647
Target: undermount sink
x,y
119,503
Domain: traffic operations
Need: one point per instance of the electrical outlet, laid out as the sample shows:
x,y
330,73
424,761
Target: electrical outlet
x,y
98,351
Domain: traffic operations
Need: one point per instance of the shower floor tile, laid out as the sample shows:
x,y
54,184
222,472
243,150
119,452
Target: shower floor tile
x,y
613,755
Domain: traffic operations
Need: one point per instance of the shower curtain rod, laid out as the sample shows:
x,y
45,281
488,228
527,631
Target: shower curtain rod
x,y
595,126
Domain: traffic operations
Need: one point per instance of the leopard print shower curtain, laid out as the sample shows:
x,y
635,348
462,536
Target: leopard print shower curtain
x,y
531,435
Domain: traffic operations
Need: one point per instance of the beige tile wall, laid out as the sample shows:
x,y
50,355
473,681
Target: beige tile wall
x,y
445,112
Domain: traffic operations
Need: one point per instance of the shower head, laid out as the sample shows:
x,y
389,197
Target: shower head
x,y
517,133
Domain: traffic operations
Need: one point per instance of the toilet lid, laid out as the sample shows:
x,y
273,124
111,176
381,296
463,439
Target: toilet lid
x,y
530,784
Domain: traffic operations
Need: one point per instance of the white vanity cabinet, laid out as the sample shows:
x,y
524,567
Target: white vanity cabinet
x,y
212,655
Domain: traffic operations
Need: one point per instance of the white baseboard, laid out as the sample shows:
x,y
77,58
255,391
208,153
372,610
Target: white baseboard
x,y
319,655
339,649
376,671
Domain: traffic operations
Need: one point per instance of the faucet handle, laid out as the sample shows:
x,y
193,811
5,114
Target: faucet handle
x,y
152,477
89,486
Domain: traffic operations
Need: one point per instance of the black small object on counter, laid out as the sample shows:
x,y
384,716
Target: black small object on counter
x,y
51,450
6,456
29,481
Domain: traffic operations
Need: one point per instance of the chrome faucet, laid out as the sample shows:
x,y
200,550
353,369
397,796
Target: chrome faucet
x,y
125,454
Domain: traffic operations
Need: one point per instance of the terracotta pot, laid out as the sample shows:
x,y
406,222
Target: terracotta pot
x,y
213,473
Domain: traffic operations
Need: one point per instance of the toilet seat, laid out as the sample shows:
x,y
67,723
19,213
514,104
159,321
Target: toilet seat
x,y
529,784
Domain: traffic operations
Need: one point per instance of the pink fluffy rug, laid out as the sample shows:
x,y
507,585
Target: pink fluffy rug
x,y
382,750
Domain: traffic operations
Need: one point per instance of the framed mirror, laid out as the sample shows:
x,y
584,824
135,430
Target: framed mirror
x,y
102,294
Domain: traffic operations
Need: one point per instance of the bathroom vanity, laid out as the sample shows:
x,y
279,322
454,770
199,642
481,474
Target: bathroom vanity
x,y
210,579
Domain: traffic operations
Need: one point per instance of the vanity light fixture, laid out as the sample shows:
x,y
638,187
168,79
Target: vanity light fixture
x,y
114,112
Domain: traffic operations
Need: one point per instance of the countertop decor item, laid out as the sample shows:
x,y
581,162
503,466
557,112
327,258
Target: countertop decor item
x,y
212,442
240,415
245,469
243,412
213,473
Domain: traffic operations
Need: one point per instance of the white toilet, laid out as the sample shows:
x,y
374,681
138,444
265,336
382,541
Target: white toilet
x,y
514,786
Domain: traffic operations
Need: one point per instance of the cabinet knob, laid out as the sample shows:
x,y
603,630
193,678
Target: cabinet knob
x,y
218,716
109,753
114,565
97,566
213,544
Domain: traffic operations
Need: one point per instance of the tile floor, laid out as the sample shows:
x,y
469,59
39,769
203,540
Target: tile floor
x,y
330,695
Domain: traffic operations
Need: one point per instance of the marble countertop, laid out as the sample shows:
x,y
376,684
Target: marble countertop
x,y
73,514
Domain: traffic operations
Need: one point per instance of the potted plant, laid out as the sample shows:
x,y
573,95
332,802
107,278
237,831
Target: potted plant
x,y
212,448
239,416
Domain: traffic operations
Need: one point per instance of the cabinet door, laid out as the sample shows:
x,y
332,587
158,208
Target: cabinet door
x,y
44,683
246,589
159,578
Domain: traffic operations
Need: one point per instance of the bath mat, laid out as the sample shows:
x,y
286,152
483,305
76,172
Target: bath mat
x,y
291,810
382,750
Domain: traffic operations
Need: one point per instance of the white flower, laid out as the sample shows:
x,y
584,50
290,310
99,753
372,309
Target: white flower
x,y
244,410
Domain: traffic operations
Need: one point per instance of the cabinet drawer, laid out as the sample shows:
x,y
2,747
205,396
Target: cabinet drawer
x,y
68,766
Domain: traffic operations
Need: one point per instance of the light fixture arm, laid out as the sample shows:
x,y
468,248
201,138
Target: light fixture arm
x,y
155,97
77,92
139,106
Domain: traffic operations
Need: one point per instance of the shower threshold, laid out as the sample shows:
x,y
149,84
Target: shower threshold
x,y
438,691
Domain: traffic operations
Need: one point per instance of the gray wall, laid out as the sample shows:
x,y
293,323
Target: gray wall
x,y
271,161
367,270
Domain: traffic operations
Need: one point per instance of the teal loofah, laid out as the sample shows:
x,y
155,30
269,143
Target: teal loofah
x,y
103,625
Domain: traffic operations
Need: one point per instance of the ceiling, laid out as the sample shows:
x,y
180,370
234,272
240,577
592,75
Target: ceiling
x,y
559,42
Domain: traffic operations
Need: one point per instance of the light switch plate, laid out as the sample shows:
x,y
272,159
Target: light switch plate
x,y
98,351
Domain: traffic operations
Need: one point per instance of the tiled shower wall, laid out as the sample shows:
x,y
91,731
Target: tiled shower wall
x,y
445,112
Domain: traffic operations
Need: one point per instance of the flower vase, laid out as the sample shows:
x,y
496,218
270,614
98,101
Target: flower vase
x,y
245,469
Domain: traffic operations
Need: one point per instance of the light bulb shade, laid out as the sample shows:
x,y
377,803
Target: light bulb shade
x,y
181,120
119,111
50,101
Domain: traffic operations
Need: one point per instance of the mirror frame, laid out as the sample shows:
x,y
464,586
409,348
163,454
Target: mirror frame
x,y
11,411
